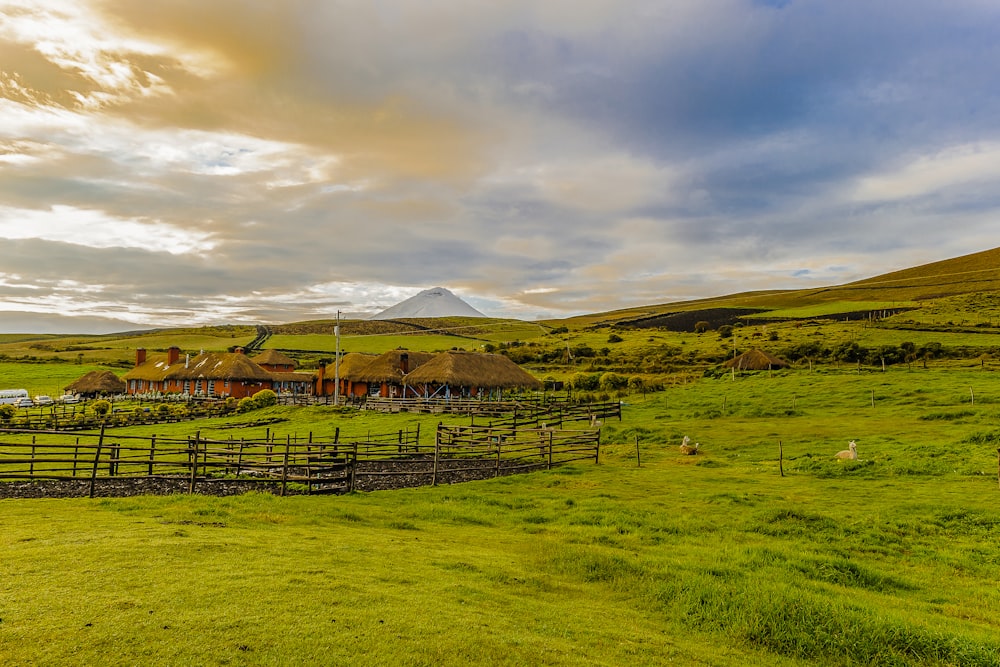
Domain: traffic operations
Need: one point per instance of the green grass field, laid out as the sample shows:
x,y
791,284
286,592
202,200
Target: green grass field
x,y
714,559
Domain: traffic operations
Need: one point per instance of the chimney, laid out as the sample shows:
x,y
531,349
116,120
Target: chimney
x,y
187,360
173,355
239,350
320,379
140,356
404,363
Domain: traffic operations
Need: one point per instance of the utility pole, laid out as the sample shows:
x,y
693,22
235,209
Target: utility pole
x,y
336,363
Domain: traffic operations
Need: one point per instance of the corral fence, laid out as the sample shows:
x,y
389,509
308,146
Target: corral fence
x,y
498,413
106,464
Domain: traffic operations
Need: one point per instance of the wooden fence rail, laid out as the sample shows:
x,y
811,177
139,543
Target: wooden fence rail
x,y
316,465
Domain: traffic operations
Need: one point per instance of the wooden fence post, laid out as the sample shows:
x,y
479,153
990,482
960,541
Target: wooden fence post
x,y
152,455
638,461
97,456
354,467
437,454
284,466
781,457
76,453
193,462
31,465
549,465
597,450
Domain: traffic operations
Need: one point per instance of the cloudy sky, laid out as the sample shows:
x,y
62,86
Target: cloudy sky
x,y
180,162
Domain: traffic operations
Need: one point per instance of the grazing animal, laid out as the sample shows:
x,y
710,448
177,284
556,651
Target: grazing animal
x,y
687,447
850,453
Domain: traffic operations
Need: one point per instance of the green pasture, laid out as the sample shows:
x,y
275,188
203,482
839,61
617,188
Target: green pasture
x,y
42,378
651,557
373,344
832,308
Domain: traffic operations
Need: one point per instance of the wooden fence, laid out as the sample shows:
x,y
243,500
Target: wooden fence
x,y
323,465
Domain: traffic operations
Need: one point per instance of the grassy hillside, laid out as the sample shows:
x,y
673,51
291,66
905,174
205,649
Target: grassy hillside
x,y
662,559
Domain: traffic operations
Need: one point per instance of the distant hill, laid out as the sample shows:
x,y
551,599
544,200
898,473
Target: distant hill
x,y
48,323
976,272
434,302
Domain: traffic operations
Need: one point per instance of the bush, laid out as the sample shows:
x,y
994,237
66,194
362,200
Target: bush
x,y
7,412
247,404
265,398
101,407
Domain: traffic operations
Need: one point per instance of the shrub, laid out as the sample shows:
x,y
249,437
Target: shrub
x,y
100,407
247,404
230,403
7,412
265,398
615,338
610,381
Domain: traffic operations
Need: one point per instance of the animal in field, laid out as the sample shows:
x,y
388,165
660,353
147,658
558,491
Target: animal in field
x,y
687,448
850,453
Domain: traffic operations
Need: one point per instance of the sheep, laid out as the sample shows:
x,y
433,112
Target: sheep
x,y
687,448
851,453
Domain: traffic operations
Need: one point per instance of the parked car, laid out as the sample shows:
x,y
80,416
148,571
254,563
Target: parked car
x,y
43,400
24,403
69,398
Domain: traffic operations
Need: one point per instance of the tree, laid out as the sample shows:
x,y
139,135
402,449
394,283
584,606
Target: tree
x,y
702,326
726,331
101,407
7,412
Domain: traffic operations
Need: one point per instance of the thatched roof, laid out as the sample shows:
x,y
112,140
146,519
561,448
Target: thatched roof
x,y
205,366
97,382
755,360
386,367
219,366
155,368
471,369
273,358
351,364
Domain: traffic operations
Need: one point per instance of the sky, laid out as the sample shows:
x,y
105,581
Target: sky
x,y
182,162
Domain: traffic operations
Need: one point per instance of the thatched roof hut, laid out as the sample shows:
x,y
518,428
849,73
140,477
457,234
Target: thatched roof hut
x,y
390,366
219,365
353,363
473,370
756,360
273,360
96,383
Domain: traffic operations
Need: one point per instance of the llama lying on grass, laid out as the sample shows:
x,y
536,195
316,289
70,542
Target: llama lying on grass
x,y
687,447
850,453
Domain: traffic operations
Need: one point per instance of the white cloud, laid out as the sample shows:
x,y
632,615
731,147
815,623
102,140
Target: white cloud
x,y
96,229
975,163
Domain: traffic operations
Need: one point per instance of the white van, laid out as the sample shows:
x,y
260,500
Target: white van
x,y
12,396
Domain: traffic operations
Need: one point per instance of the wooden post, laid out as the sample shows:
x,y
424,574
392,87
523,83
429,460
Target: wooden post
x,y
31,465
152,454
354,468
113,460
550,450
97,457
284,467
193,462
638,461
76,453
496,469
781,456
437,455
336,435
